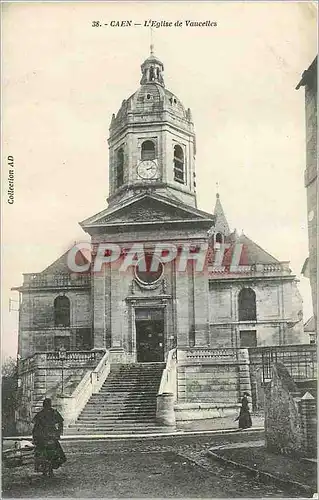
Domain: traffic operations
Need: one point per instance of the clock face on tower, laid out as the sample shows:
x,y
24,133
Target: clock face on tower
x,y
147,169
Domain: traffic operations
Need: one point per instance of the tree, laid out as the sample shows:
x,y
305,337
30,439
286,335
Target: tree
x,y
9,367
9,395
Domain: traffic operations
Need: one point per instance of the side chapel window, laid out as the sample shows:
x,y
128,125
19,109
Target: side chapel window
x,y
62,311
247,305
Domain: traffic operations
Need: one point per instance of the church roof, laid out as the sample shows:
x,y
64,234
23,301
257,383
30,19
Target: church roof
x,y
60,265
251,253
310,325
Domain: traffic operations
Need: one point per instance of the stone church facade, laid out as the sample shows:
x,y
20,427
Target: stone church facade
x,y
139,315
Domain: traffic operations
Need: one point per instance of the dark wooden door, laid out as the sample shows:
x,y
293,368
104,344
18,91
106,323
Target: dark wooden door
x,y
150,340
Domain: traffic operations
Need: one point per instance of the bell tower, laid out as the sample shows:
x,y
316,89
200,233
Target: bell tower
x,y
152,142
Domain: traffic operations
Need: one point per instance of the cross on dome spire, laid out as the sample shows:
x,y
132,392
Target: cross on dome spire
x,y
152,44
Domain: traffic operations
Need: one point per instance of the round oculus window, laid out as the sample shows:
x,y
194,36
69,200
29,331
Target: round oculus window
x,y
149,270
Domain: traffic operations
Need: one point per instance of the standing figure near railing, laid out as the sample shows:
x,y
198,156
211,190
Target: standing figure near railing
x,y
48,427
244,415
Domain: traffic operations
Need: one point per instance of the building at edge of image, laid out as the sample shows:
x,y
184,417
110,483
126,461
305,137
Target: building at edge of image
x,y
310,268
216,318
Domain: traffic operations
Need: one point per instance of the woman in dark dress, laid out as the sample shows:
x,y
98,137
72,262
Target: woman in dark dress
x,y
48,426
244,415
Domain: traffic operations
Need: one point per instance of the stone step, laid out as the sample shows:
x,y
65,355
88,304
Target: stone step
x,y
128,416
117,411
103,409
138,367
135,376
129,403
123,397
137,386
134,411
138,374
124,393
131,383
112,411
115,431
132,390
114,423
125,403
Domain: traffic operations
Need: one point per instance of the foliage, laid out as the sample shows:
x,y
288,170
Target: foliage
x,y
9,367
9,395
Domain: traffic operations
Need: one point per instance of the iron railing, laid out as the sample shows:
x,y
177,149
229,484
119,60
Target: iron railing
x,y
300,360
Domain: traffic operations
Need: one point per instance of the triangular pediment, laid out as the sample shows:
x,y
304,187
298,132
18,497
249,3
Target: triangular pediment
x,y
147,209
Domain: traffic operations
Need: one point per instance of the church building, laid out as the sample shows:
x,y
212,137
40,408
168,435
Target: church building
x,y
241,297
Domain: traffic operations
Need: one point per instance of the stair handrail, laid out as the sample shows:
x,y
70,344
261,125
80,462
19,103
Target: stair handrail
x,y
168,380
71,406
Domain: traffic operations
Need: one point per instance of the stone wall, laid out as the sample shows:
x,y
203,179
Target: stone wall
x,y
309,422
41,376
210,382
311,184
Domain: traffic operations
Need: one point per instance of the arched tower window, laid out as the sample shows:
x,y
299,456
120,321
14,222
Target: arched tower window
x,y
62,311
179,172
148,150
247,305
119,167
219,238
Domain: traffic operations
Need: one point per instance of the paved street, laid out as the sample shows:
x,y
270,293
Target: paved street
x,y
155,468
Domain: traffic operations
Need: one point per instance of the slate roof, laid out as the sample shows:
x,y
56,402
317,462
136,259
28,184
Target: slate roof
x,y
251,254
60,265
309,326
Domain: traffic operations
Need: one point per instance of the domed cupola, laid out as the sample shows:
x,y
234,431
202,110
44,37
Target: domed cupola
x,y
152,70
152,141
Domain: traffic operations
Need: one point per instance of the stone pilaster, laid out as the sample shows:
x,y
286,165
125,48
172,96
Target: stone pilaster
x,y
99,294
244,373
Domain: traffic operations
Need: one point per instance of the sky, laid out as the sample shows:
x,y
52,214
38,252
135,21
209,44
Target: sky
x,y
63,79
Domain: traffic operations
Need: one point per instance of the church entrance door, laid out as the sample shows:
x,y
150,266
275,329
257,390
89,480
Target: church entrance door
x,y
149,335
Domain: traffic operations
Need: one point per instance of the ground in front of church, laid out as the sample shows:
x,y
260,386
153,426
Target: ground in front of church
x,y
171,467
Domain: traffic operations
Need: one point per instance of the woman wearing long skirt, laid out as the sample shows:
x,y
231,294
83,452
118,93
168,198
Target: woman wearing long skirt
x,y
48,426
244,415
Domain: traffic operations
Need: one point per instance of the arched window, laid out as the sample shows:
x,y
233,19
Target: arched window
x,y
148,150
219,238
179,173
62,311
247,305
119,167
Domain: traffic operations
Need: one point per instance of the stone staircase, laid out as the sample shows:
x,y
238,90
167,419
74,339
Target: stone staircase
x,y
126,403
